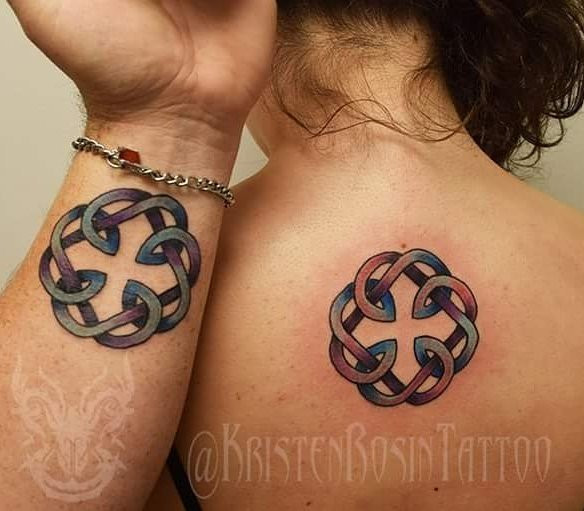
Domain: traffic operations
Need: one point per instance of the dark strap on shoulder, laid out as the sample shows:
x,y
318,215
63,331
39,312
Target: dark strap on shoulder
x,y
181,481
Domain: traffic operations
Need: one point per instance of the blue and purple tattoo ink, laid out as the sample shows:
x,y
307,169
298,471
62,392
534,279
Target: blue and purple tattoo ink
x,y
145,310
372,373
141,306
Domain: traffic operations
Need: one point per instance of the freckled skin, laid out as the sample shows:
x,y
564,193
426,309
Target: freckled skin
x,y
283,260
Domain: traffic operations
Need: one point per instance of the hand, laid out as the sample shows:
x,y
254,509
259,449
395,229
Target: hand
x,y
144,60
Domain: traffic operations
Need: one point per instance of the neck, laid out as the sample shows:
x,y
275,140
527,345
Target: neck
x,y
397,122
375,153
400,129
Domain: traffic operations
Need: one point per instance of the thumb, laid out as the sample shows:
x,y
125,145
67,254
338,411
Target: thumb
x,y
26,10
17,5
34,16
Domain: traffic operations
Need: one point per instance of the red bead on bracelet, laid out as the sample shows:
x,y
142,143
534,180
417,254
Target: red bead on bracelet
x,y
129,155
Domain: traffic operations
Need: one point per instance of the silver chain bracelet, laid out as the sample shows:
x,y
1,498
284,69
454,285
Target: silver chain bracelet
x,y
115,159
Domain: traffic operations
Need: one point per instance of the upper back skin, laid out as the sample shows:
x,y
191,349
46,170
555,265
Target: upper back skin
x,y
270,422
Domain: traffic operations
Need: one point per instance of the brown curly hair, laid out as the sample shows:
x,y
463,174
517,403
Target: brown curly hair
x,y
512,67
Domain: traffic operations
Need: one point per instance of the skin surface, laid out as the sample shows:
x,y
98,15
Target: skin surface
x,y
182,105
304,226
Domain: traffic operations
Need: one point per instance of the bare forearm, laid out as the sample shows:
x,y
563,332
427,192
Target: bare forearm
x,y
105,312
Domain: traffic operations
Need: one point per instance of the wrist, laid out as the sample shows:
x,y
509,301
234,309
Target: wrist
x,y
172,144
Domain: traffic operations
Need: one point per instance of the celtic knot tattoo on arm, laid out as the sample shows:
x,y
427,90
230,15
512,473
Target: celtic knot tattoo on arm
x,y
372,299
142,309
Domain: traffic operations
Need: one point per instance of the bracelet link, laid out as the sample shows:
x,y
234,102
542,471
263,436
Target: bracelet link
x,y
115,160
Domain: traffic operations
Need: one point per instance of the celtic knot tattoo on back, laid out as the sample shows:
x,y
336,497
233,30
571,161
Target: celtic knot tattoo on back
x,y
142,309
372,299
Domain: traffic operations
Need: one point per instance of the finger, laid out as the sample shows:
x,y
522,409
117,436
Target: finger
x,y
33,8
34,15
14,5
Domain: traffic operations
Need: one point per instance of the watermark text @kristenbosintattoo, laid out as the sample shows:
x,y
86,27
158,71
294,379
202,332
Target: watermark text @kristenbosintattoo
x,y
355,457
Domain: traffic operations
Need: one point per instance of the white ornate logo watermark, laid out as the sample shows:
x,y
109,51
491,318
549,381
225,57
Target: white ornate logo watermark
x,y
72,450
